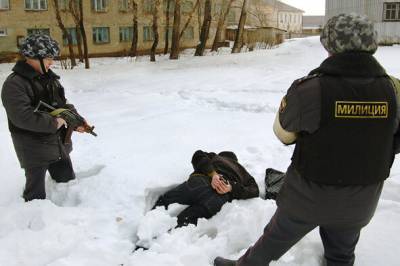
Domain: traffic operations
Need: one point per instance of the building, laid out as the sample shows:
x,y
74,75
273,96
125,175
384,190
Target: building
x,y
312,25
289,18
384,13
108,24
268,21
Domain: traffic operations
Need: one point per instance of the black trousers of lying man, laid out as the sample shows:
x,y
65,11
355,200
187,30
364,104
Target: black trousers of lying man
x,y
217,179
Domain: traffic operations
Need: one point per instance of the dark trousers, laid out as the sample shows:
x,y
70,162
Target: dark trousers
x,y
282,232
61,171
197,192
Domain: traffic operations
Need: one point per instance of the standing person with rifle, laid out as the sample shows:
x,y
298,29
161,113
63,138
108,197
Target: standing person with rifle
x,y
41,139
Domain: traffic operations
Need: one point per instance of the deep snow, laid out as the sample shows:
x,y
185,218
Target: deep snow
x,y
150,118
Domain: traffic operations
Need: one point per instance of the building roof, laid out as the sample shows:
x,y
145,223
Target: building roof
x,y
313,21
285,7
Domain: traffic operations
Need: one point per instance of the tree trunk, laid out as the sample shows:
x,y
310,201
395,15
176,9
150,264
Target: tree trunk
x,y
239,33
189,19
74,10
82,28
135,29
205,29
155,30
175,31
65,33
79,42
221,23
167,27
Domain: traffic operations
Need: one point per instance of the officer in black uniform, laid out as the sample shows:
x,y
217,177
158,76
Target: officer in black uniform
x,y
38,137
343,119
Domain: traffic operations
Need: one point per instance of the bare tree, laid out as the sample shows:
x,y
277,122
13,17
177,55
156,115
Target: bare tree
x,y
175,31
221,22
156,7
83,33
73,9
205,29
167,19
135,38
258,11
76,8
65,34
239,33
189,18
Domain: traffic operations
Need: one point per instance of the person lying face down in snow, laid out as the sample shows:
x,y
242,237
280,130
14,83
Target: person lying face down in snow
x,y
217,179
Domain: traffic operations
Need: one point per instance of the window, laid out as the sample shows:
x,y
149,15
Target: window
x,y
125,34
123,5
188,34
3,32
231,16
99,5
38,31
217,8
148,34
169,33
72,32
391,11
4,4
35,4
187,7
101,35
171,6
148,6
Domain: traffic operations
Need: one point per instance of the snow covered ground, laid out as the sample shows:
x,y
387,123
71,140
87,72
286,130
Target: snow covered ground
x,y
150,118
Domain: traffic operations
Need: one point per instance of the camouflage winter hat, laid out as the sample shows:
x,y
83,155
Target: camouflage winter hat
x,y
39,46
349,33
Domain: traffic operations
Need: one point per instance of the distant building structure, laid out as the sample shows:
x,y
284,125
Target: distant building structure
x,y
312,25
384,13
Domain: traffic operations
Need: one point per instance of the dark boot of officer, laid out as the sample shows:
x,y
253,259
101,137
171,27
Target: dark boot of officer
x,y
219,261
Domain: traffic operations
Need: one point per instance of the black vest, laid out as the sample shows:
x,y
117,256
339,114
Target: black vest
x,y
354,144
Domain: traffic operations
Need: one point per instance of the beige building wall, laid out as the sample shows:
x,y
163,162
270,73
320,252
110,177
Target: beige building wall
x,y
16,20
290,21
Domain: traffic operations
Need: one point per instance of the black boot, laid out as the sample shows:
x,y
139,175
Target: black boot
x,y
160,202
219,261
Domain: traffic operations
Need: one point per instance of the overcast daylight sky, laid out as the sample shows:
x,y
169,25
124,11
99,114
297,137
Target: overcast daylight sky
x,y
311,7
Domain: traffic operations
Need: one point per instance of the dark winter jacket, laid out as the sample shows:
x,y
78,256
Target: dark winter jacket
x,y
303,198
36,139
226,163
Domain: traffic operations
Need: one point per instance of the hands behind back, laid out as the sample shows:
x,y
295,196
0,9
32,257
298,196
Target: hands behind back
x,y
219,185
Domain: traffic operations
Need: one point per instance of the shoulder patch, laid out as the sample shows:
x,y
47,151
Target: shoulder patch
x,y
301,80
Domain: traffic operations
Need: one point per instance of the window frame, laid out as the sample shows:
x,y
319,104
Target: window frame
x,y
95,39
396,11
8,5
151,34
185,34
148,7
123,5
4,34
185,9
95,5
39,5
73,35
171,7
122,33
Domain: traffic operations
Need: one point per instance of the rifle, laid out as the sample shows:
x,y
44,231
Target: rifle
x,y
73,119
